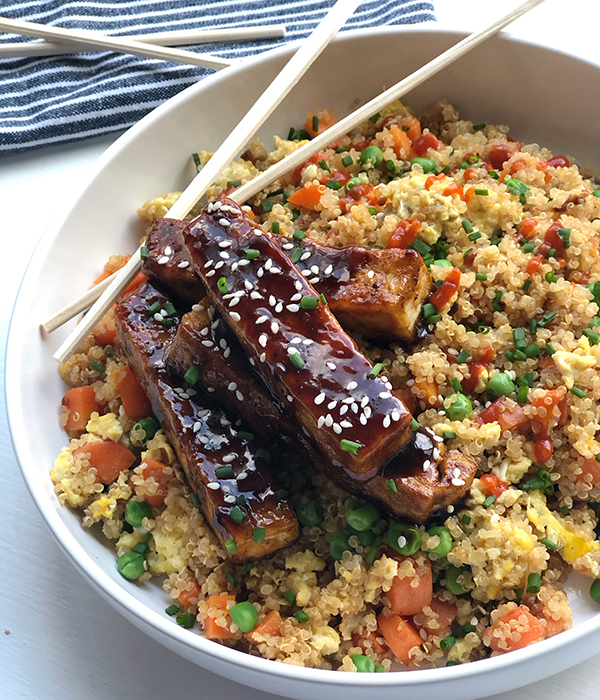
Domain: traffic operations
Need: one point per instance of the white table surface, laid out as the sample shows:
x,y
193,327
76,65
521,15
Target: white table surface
x,y
62,641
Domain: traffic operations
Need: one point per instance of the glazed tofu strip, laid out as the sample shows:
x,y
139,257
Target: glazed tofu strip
x,y
296,343
204,342
425,477
234,486
378,293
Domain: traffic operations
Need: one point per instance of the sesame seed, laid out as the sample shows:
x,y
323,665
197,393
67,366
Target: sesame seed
x,y
203,439
225,244
321,421
268,264
248,285
261,319
352,385
426,465
401,541
319,399
279,308
328,420
217,204
163,260
385,395
288,246
272,300
346,424
304,273
263,357
423,634
290,398
386,421
219,265
227,352
328,270
274,327
210,389
239,396
210,273
305,255
262,340
207,343
314,269
224,222
224,254
229,458
158,317
348,399
241,263
235,316
314,280
458,482
331,365
296,297
275,271
450,509
337,429
232,386
260,272
213,485
363,420
241,476
295,341
344,409
332,405
229,498
208,263
234,301
298,286
224,421
255,295
183,264
223,342
205,331
307,342
371,274
395,415
293,308
197,426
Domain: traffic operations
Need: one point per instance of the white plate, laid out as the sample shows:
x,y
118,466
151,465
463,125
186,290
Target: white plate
x,y
545,96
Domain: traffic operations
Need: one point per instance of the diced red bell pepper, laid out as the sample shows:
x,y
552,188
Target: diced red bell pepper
x,y
507,413
493,485
442,296
424,143
405,234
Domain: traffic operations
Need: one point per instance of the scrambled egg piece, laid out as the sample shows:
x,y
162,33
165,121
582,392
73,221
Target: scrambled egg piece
x,y
304,579
304,561
572,364
156,208
571,545
106,427
325,640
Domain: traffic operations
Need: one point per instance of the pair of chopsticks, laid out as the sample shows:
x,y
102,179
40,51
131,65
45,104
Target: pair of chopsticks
x,y
63,40
106,293
184,37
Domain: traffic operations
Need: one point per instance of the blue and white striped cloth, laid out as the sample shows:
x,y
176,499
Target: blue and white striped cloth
x,y
64,98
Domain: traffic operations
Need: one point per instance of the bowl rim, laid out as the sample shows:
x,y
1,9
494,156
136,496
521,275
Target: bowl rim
x,y
118,595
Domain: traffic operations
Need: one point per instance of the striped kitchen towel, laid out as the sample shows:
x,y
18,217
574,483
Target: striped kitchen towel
x,y
56,99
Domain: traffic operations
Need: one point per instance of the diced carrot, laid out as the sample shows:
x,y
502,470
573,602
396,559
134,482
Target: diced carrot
x,y
442,296
549,400
433,178
552,239
469,174
493,485
317,158
186,596
405,234
454,188
424,143
590,472
515,630
399,634
308,197
534,264
326,119
509,415
446,614
414,127
432,393
476,369
469,194
140,278
488,354
527,227
105,332
154,468
500,153
543,447
108,458
80,403
517,165
270,626
409,595
211,629
132,395
402,143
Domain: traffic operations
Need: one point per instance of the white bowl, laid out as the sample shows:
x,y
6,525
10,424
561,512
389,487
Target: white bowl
x,y
545,96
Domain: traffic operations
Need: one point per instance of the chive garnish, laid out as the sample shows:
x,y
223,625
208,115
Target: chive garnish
x,y
144,253
463,356
232,579
266,206
297,360
245,435
551,545
466,519
275,227
334,184
315,123
480,276
414,424
97,366
528,247
449,435
172,610
527,284
296,254
237,514
375,118
224,472
309,302
323,165
496,301
192,375
323,299
222,285
481,191
347,160
195,500
534,583
350,446
391,484
259,533
252,253
550,349
488,501
153,308
231,546
376,370
579,393
301,616
548,318
263,454
474,236
479,127
551,277
290,596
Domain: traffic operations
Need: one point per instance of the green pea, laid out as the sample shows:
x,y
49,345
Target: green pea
x,y
361,516
136,511
452,583
340,544
500,385
131,565
149,427
372,157
427,164
442,263
445,545
244,615
354,182
595,591
363,663
365,538
310,513
404,538
186,620
458,409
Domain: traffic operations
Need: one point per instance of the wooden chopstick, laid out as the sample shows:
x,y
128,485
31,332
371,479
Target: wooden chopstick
x,y
291,161
291,73
183,37
101,42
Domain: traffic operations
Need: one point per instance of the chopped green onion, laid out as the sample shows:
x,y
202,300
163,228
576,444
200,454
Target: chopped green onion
x,y
551,545
579,393
480,276
474,236
548,318
299,236
522,393
334,184
296,254
301,616
448,435
481,191
323,165
447,643
350,446
297,361
372,211
467,226
315,123
596,192
533,350
187,620
421,247
391,484
195,500
144,253
414,424
295,214
309,302
197,162
97,366
275,227
237,514
551,253
496,301
224,472
376,370
375,118
593,337
549,349
564,510
172,610
516,187
520,356
266,206
494,174
290,596
169,308
231,578
434,319
258,534
323,299
222,285
488,501
565,234
231,546
472,159
466,519
347,160
252,253
192,375
463,356
519,338
528,247
464,630
534,583
479,127
153,308
108,351
455,384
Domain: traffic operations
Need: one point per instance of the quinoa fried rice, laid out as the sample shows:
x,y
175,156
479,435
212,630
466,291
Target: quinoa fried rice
x,y
507,372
